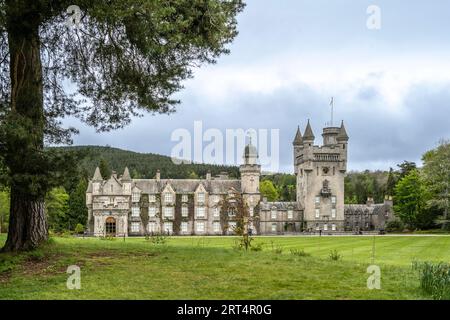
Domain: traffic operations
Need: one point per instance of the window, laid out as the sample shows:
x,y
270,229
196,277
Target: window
x,y
200,227
216,226
184,227
317,200
168,227
135,211
290,214
333,227
184,198
317,227
201,197
274,227
317,213
216,212
168,197
325,227
184,211
151,227
135,227
250,211
273,214
151,198
135,197
333,213
200,212
152,211
111,201
333,200
231,212
112,188
168,212
231,226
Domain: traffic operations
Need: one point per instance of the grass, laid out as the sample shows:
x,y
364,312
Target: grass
x,y
209,268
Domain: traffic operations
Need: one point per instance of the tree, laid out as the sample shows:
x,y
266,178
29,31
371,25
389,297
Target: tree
x,y
410,200
436,171
405,168
56,205
123,57
77,212
4,208
105,171
268,190
391,182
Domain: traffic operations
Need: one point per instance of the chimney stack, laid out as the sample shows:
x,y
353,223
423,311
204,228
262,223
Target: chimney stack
x,y
158,175
208,175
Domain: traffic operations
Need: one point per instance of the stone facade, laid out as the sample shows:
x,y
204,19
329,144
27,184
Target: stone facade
x,y
122,206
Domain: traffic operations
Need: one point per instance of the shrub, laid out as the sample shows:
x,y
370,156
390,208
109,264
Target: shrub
x,y
299,253
434,279
257,247
334,255
109,238
79,229
159,239
395,226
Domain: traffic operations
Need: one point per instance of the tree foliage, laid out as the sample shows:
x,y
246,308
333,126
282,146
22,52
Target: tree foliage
x,y
436,171
268,190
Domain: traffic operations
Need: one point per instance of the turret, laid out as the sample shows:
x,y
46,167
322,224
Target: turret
x,y
126,181
250,170
298,146
308,137
342,139
96,181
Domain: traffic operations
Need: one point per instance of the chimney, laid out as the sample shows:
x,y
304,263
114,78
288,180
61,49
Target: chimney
x,y
370,201
114,174
158,175
208,175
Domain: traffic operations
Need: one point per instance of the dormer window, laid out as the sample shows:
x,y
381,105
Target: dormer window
x,y
135,197
112,188
168,198
201,197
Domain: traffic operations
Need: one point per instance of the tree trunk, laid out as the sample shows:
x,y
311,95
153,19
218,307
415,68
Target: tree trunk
x,y
25,130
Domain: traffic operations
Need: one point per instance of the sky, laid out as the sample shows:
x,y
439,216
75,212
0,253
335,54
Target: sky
x,y
391,85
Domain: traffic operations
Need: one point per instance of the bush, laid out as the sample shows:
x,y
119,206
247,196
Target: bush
x,y
335,256
158,239
79,229
257,247
299,253
395,226
434,279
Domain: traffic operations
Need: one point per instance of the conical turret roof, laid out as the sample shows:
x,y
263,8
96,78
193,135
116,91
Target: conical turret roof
x,y
309,135
97,175
342,133
298,140
126,175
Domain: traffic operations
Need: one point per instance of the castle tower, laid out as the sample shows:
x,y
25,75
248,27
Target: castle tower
x,y
320,172
250,176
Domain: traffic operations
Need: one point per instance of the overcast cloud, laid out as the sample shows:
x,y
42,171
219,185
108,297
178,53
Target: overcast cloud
x,y
391,86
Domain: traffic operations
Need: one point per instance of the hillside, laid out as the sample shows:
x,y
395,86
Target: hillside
x,y
141,165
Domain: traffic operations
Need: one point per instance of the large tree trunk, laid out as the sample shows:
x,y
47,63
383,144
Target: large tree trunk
x,y
25,130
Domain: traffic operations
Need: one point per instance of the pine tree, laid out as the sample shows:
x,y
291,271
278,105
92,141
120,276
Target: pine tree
x,y
123,57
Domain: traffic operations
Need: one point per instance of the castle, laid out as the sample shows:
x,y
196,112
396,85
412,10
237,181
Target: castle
x,y
193,206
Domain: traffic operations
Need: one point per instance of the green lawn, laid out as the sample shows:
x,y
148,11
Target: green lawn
x,y
209,268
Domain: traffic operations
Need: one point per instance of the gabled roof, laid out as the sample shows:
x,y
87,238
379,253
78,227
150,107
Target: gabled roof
x,y
309,135
152,186
298,140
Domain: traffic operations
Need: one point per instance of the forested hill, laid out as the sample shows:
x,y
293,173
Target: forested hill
x,y
141,165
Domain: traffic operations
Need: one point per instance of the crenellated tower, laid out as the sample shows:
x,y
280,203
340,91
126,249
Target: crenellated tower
x,y
320,172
